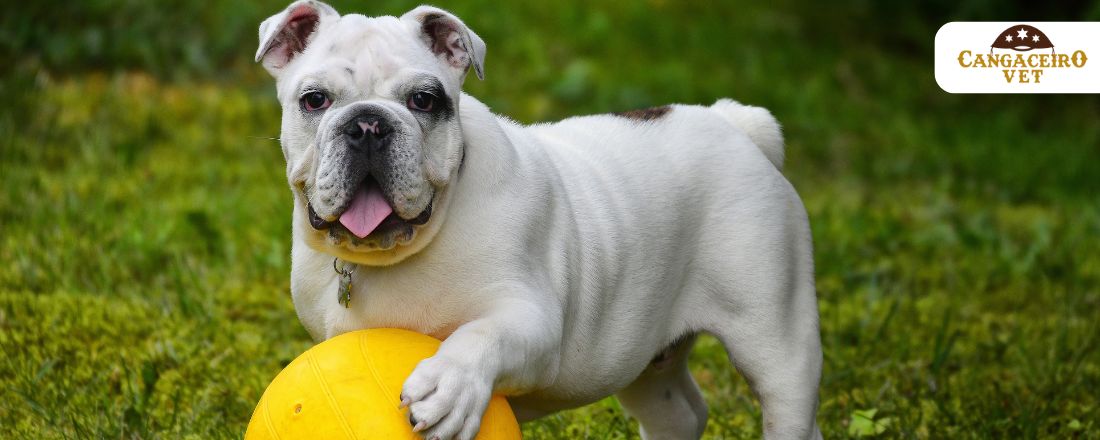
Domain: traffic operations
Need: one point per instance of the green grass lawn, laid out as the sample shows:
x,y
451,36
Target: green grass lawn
x,y
145,216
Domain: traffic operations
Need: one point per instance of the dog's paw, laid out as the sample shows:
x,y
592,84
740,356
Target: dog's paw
x,y
446,399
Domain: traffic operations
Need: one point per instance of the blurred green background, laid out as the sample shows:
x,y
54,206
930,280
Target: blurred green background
x,y
144,215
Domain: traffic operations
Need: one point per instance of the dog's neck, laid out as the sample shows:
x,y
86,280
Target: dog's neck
x,y
487,148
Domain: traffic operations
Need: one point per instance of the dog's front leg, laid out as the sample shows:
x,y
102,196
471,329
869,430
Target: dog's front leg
x,y
512,349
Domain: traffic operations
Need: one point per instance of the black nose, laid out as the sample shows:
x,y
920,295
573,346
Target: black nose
x,y
367,131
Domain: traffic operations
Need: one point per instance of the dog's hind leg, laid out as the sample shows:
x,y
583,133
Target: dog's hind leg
x,y
761,303
665,399
784,375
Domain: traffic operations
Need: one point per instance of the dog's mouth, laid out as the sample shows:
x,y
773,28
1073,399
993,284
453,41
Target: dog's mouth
x,y
369,214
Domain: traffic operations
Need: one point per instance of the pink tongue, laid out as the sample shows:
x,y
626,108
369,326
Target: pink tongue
x,y
367,210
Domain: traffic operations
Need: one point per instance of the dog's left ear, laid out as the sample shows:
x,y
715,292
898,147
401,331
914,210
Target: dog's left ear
x,y
449,39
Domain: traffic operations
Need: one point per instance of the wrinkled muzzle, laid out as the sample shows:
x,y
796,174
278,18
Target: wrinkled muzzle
x,y
368,169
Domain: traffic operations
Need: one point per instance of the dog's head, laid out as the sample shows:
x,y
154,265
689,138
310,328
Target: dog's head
x,y
370,126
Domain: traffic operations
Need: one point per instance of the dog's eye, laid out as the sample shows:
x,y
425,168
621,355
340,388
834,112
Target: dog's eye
x,y
313,101
422,101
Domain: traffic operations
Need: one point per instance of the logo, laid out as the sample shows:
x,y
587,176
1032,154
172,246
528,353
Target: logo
x,y
1016,58
1018,67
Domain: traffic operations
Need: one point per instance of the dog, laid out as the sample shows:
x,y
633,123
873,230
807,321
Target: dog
x,y
560,263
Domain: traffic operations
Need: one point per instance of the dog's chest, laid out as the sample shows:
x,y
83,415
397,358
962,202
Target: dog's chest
x,y
379,299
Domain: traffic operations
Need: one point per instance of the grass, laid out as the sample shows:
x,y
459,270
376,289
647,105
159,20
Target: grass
x,y
144,215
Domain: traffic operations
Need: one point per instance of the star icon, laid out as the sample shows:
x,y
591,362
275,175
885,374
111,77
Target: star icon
x,y
1008,38
1022,34
1035,38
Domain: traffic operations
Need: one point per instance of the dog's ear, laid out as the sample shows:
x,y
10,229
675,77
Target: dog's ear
x,y
449,39
286,34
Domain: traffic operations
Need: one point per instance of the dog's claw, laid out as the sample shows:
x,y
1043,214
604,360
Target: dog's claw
x,y
405,402
420,426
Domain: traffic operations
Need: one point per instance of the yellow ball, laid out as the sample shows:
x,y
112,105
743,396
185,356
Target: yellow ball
x,y
349,387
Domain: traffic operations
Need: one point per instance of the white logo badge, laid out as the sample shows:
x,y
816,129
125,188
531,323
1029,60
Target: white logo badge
x,y
1011,57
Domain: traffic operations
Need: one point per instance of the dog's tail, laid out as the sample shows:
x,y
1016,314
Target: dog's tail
x,y
756,122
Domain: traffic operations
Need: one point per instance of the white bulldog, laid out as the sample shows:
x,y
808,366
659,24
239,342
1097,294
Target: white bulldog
x,y
561,263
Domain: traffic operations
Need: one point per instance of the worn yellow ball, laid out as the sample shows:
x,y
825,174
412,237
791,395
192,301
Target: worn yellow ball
x,y
348,387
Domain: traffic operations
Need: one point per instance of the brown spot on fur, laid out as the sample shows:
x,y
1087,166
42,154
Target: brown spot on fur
x,y
645,114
